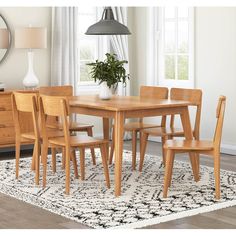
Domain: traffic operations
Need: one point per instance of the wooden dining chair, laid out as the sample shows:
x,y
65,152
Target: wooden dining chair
x,y
27,102
151,92
58,107
211,148
194,96
67,91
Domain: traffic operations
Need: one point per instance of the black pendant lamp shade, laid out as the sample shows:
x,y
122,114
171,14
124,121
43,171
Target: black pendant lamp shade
x,y
107,25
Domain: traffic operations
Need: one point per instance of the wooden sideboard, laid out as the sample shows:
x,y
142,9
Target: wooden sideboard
x,y
7,129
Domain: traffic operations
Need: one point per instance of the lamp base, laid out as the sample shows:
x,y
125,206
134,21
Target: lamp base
x,y
30,81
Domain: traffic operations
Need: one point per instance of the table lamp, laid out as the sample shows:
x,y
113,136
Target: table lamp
x,y
31,38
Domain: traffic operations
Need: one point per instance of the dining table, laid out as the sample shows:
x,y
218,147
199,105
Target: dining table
x,y
120,108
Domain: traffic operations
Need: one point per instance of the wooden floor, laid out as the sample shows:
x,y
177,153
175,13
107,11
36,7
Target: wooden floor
x,y
15,214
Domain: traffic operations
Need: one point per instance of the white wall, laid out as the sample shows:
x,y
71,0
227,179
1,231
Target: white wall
x,y
216,66
14,67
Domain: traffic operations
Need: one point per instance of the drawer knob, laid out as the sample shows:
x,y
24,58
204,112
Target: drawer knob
x,y
2,126
2,109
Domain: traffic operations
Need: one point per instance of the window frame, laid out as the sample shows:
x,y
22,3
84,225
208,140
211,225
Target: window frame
x,y
102,47
158,22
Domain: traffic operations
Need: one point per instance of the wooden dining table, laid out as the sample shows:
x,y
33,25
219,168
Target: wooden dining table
x,y
121,107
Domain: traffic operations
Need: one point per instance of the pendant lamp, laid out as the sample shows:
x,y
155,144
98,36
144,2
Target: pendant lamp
x,y
108,25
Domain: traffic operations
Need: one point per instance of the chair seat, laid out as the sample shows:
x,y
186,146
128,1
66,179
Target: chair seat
x,y
77,141
79,126
74,126
163,131
138,126
189,145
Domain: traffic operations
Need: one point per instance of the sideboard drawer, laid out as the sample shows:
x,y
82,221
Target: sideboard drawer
x,y
7,129
6,119
7,135
5,102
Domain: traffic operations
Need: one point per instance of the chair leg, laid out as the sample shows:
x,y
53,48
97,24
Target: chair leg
x,y
168,171
82,164
171,166
163,139
112,147
44,160
144,137
217,175
17,158
37,161
198,164
103,149
33,158
194,166
53,151
134,149
90,133
41,159
73,157
67,170
63,159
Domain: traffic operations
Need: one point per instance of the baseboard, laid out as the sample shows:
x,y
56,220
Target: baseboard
x,y
228,149
12,149
225,148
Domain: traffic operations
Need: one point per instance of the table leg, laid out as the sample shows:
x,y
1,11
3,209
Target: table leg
x,y
119,131
189,135
106,130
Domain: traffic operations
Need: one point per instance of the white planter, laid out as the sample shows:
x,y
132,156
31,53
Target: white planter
x,y
105,91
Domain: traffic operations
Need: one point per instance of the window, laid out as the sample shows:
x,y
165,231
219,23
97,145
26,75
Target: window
x,y
90,47
175,46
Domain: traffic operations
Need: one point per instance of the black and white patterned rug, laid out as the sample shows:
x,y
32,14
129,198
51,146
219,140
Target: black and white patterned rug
x,y
141,203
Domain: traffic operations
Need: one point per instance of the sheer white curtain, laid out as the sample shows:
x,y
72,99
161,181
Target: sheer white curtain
x,y
64,54
120,46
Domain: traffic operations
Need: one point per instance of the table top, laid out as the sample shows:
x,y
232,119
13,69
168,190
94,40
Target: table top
x,y
123,103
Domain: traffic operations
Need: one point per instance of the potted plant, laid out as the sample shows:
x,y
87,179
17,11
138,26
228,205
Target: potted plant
x,y
108,73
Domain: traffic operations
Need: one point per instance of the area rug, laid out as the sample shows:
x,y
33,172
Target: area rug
x,y
141,203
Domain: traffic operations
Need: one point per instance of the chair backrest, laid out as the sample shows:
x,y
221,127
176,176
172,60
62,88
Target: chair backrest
x,y
195,97
220,119
65,90
56,106
154,92
25,102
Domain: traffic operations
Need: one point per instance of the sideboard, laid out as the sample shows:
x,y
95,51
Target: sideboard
x,y
7,130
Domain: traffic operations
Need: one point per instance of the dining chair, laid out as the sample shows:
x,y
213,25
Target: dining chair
x,y
151,92
58,107
194,96
67,90
27,102
211,148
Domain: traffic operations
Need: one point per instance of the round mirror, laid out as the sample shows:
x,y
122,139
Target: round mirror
x,y
5,38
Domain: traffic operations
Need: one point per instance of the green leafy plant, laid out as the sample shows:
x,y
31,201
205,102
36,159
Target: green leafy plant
x,y
111,71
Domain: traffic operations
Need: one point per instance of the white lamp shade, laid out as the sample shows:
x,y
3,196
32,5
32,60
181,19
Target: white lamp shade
x,y
4,38
31,38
